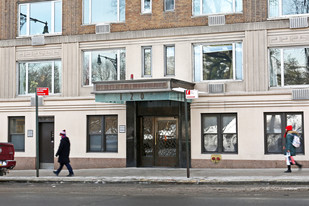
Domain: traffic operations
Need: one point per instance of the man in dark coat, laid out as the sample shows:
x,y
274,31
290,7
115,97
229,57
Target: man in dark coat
x,y
63,153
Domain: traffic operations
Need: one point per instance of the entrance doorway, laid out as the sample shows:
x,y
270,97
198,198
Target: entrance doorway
x,y
46,136
159,141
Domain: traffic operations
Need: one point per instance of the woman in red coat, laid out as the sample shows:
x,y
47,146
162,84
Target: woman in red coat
x,y
63,153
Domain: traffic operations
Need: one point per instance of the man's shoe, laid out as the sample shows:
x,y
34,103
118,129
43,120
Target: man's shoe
x,y
288,171
70,175
300,167
55,172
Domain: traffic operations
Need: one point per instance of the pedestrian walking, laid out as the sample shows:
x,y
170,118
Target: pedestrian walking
x,y
64,153
289,149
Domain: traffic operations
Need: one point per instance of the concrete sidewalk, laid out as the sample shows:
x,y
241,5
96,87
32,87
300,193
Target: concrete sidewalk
x,y
164,176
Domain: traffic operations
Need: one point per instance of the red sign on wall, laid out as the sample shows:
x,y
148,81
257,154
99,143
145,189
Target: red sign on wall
x,y
42,91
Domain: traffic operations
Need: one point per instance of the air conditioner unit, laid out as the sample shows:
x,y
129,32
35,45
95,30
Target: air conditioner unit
x,y
216,88
37,40
102,29
216,20
298,94
298,22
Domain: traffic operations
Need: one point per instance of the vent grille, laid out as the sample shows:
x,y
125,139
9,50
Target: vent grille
x,y
216,20
300,94
37,40
298,22
216,88
102,29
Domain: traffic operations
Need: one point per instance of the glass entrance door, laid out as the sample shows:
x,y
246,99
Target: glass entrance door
x,y
159,141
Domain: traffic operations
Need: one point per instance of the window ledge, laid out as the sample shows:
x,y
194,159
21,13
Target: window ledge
x,y
286,17
45,35
214,14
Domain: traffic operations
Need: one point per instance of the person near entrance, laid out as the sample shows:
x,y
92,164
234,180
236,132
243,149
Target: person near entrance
x,y
289,149
63,153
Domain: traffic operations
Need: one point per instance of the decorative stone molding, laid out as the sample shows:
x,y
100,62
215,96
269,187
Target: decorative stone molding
x,y
288,39
31,53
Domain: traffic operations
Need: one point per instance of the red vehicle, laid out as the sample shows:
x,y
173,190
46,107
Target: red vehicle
x,y
7,161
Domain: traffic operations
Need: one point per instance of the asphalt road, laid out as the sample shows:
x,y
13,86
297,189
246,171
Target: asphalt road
x,y
46,194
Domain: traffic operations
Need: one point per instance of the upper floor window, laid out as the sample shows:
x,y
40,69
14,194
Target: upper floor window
x,y
287,7
146,6
288,66
169,60
147,61
17,133
39,74
107,11
207,7
104,65
169,5
218,62
40,18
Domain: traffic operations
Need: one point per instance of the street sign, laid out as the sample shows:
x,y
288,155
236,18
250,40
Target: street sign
x,y
42,91
191,94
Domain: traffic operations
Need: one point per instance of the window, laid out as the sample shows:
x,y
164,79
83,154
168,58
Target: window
x,y
107,11
288,66
207,7
40,18
218,62
287,7
147,61
104,65
146,6
17,133
219,133
102,134
275,124
169,5
169,52
39,74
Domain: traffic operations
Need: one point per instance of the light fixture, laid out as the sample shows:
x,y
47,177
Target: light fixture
x,y
113,61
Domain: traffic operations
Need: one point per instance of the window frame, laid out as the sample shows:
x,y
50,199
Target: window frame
x,y
10,134
103,135
198,74
165,59
53,15
89,19
280,11
165,6
219,133
200,13
143,11
143,61
283,116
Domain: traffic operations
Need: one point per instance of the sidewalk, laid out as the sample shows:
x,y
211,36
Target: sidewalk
x,y
164,176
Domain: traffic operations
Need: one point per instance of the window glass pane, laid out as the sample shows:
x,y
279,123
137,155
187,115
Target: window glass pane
x,y
296,66
39,75
104,11
17,132
18,140
197,63
22,78
296,121
147,6
229,142
57,77
229,124
122,64
211,142
104,67
238,60
94,125
273,8
40,14
23,20
170,60
86,70
290,7
111,143
210,124
147,62
274,143
273,124
238,5
111,125
58,16
275,67
217,62
95,143
196,7
217,6
86,11
169,5
122,10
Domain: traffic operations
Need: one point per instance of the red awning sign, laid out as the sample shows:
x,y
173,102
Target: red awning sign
x,y
42,91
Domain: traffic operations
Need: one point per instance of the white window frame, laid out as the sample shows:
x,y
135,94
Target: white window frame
x,y
173,9
280,12
201,9
52,26
165,59
90,14
143,7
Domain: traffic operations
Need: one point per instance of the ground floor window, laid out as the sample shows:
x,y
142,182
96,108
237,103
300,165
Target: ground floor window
x,y
17,133
275,124
219,133
102,133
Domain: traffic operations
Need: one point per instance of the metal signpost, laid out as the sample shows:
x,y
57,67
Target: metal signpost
x,y
40,91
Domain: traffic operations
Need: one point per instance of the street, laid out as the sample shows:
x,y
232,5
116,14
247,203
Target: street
x,y
150,194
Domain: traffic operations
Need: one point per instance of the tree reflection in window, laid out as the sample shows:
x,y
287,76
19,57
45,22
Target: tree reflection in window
x,y
288,7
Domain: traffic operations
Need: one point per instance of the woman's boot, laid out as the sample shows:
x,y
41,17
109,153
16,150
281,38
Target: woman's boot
x,y
289,169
